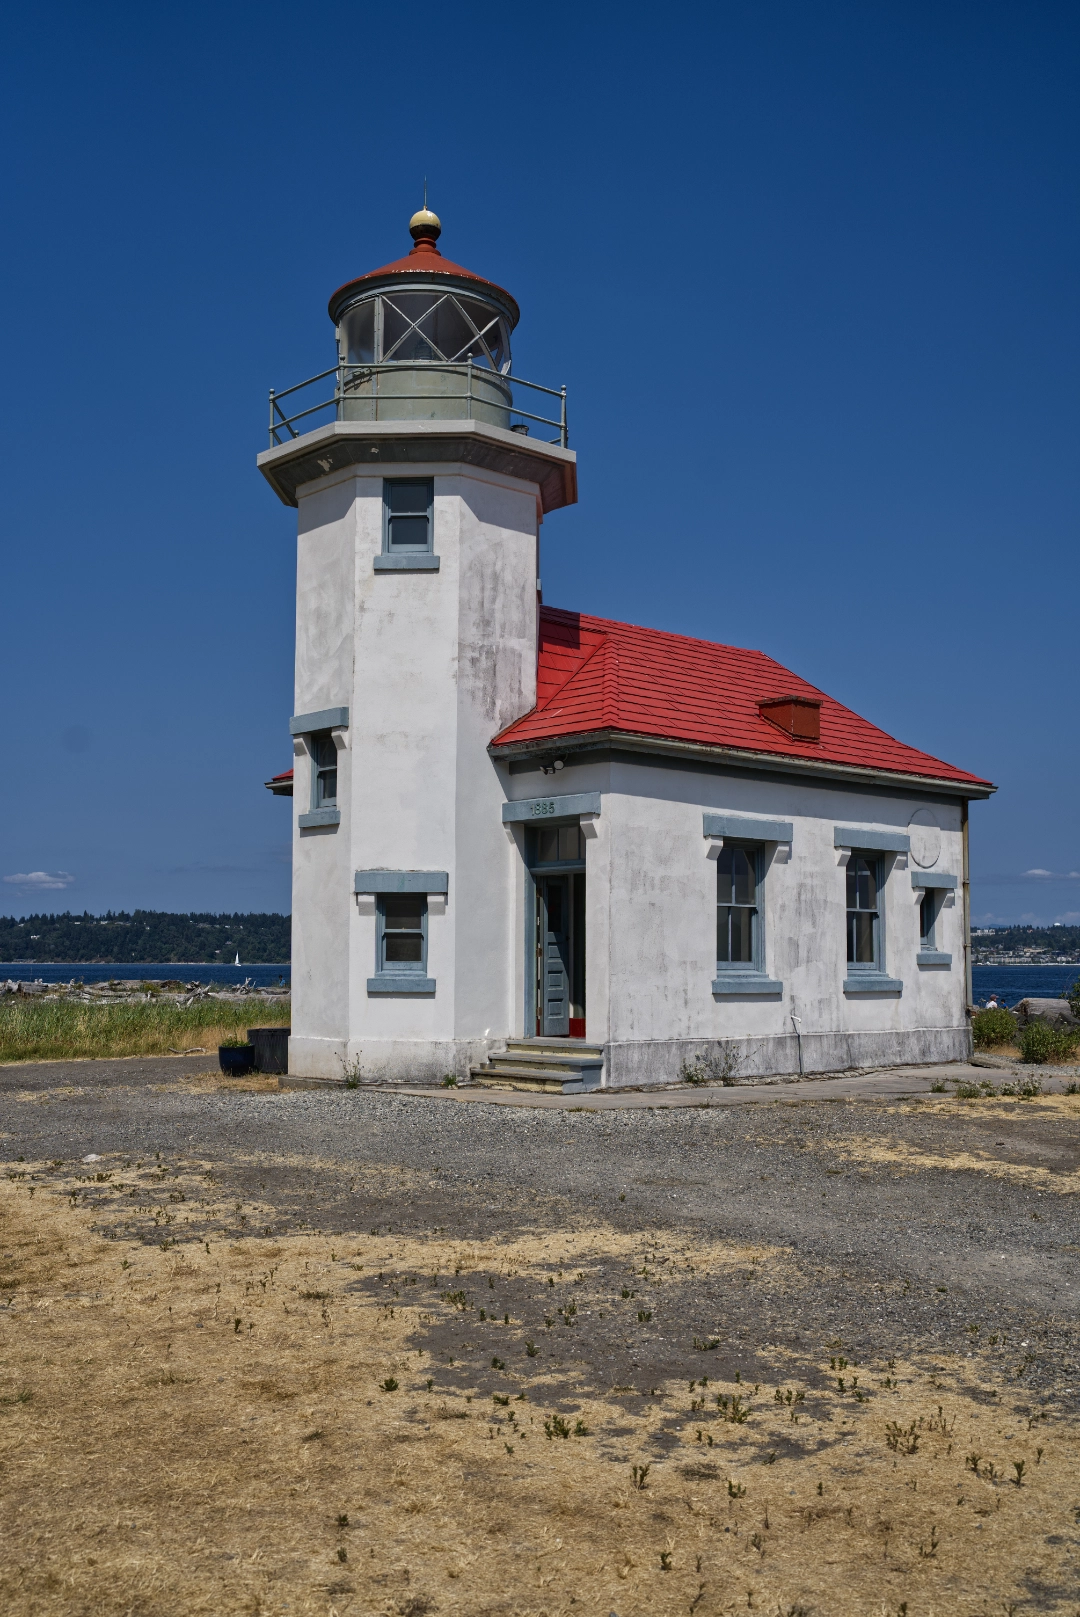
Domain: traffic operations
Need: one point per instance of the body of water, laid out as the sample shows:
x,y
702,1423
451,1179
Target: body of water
x,y
1011,982
29,971
1018,982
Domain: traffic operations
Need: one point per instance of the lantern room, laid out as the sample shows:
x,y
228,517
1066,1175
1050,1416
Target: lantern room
x,y
424,339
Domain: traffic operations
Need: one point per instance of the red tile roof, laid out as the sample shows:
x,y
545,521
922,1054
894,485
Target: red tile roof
x,y
596,675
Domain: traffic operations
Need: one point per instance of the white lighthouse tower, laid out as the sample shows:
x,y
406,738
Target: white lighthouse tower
x,y
420,497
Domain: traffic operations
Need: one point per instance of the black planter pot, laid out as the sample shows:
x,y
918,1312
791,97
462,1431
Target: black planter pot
x,y
236,1060
271,1048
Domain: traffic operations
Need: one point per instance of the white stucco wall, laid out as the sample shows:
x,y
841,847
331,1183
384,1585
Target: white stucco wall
x,y
651,923
431,665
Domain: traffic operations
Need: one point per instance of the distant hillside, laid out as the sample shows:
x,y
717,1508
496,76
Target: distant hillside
x,y
1039,945
144,937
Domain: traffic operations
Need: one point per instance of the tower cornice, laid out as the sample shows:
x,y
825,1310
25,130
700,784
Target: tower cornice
x,y
341,444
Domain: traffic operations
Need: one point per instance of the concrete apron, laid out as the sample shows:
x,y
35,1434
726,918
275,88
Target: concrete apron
x,y
894,1084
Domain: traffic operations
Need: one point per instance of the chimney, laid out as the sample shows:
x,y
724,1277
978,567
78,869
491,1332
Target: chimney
x,y
797,716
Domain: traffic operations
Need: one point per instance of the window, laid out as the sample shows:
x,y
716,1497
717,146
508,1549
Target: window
x,y
556,844
863,915
408,505
323,771
736,906
928,912
402,934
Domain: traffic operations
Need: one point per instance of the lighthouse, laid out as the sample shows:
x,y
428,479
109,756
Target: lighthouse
x,y
543,850
421,469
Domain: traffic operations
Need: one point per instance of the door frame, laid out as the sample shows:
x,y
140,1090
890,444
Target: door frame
x,y
533,874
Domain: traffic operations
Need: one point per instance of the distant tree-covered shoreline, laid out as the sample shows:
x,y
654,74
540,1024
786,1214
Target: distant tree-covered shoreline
x,y
1035,941
145,937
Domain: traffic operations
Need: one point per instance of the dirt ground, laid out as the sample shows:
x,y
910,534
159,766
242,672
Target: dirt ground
x,y
365,1354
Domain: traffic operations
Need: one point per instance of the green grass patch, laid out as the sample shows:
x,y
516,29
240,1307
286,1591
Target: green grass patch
x,y
56,1030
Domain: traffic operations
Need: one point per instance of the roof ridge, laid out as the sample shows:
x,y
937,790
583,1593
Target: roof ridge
x,y
611,680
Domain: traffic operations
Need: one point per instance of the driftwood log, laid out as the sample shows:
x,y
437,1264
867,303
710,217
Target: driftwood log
x,y
1056,1012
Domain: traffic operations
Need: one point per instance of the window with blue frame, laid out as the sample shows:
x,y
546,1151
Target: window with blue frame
x,y
738,930
863,912
402,934
928,914
323,770
409,509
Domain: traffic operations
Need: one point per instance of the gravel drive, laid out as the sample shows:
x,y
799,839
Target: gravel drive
x,y
918,1227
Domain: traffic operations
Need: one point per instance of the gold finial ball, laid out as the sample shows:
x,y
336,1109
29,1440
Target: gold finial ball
x,y
425,223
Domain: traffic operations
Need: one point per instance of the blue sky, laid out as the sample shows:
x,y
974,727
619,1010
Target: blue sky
x,y
808,271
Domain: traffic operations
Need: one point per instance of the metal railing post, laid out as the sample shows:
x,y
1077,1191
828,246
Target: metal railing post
x,y
563,435
470,386
273,440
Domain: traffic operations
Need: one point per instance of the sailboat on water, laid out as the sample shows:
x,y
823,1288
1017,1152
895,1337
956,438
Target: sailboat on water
x,y
236,962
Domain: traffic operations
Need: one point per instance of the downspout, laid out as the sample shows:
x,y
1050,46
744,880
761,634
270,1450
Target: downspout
x,y
969,1001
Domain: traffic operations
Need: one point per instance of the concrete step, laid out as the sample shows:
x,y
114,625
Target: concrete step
x,y
554,1066
504,1067
544,1058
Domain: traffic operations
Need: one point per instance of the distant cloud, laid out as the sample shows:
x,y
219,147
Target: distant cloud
x,y
1038,874
41,880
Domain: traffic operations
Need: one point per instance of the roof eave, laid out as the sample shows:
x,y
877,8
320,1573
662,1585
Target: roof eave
x,y
739,757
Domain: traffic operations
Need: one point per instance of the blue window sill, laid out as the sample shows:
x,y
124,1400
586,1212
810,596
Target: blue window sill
x,y
872,982
402,562
326,816
746,982
932,957
404,983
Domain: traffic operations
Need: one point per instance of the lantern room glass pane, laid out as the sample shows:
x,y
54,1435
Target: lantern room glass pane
x,y
358,333
491,329
409,326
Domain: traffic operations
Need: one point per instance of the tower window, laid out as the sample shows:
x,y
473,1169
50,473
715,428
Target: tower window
x,y
863,914
409,504
928,910
402,933
736,906
324,770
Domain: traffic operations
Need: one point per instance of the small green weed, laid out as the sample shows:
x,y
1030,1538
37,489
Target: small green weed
x,y
556,1427
389,1385
902,1441
639,1477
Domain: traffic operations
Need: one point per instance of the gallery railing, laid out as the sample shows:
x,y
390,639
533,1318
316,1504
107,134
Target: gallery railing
x,y
357,386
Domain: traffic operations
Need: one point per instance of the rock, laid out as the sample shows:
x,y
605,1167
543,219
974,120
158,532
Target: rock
x,y
1056,1012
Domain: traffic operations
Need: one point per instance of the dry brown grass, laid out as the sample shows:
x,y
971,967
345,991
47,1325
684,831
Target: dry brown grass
x,y
67,1030
187,1431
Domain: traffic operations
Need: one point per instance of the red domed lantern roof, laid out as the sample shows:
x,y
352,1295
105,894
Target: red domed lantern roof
x,y
424,260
